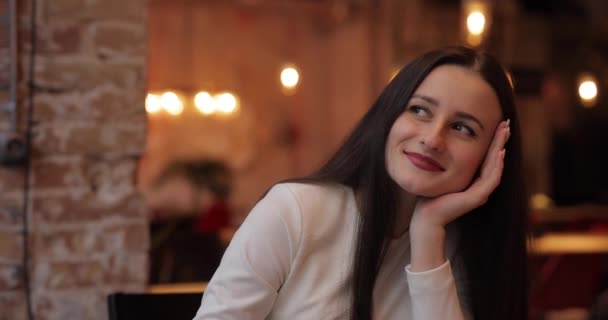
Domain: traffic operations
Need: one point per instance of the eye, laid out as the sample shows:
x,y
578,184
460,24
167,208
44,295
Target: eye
x,y
461,127
418,110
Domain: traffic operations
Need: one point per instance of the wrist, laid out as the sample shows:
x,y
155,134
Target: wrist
x,y
427,247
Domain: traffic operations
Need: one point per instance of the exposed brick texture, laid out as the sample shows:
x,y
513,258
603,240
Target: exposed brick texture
x,y
88,230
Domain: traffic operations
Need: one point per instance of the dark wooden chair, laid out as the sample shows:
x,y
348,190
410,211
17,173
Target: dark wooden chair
x,y
153,306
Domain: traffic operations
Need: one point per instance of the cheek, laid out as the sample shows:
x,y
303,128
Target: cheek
x,y
392,140
468,167
402,130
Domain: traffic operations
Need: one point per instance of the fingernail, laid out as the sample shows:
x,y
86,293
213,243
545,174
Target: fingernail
x,y
503,152
508,123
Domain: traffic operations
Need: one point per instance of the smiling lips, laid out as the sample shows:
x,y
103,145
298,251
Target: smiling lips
x,y
423,162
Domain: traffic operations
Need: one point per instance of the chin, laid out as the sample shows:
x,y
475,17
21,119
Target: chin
x,y
429,194
420,191
431,191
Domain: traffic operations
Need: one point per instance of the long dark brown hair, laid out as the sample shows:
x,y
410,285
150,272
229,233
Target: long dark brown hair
x,y
492,242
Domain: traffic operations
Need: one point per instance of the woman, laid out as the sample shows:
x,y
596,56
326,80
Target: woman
x,y
423,183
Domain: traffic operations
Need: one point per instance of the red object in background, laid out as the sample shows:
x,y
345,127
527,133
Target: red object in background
x,y
570,280
567,281
216,217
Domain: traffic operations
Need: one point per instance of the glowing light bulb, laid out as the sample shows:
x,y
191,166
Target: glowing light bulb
x,y
226,102
476,22
153,103
171,103
587,90
290,77
205,103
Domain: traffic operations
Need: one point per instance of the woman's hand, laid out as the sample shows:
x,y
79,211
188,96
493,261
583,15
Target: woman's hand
x,y
431,215
446,208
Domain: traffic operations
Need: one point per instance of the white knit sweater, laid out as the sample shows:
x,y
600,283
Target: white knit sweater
x,y
292,258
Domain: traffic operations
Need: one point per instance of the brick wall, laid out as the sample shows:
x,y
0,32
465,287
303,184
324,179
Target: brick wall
x,y
88,228
4,66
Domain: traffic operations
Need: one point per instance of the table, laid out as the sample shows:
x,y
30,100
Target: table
x,y
186,287
569,243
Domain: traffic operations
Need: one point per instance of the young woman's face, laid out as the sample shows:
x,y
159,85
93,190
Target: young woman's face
x,y
438,143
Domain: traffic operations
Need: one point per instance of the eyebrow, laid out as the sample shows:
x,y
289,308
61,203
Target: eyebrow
x,y
459,114
427,99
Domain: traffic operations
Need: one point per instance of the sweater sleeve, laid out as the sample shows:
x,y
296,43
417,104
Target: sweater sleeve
x,y
433,294
257,261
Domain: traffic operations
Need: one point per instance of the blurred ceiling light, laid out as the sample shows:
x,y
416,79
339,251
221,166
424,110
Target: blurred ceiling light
x,y
171,103
290,77
476,22
205,103
587,90
153,103
226,102
540,201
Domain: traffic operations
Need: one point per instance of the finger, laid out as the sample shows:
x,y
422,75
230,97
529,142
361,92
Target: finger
x,y
486,184
499,138
493,148
495,171
496,175
507,134
501,135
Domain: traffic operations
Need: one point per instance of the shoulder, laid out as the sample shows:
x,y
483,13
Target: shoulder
x,y
318,208
311,189
309,196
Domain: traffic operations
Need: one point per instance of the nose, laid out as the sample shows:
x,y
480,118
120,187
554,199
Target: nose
x,y
433,139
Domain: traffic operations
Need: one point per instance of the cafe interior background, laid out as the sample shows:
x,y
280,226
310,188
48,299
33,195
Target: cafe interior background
x,y
121,103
